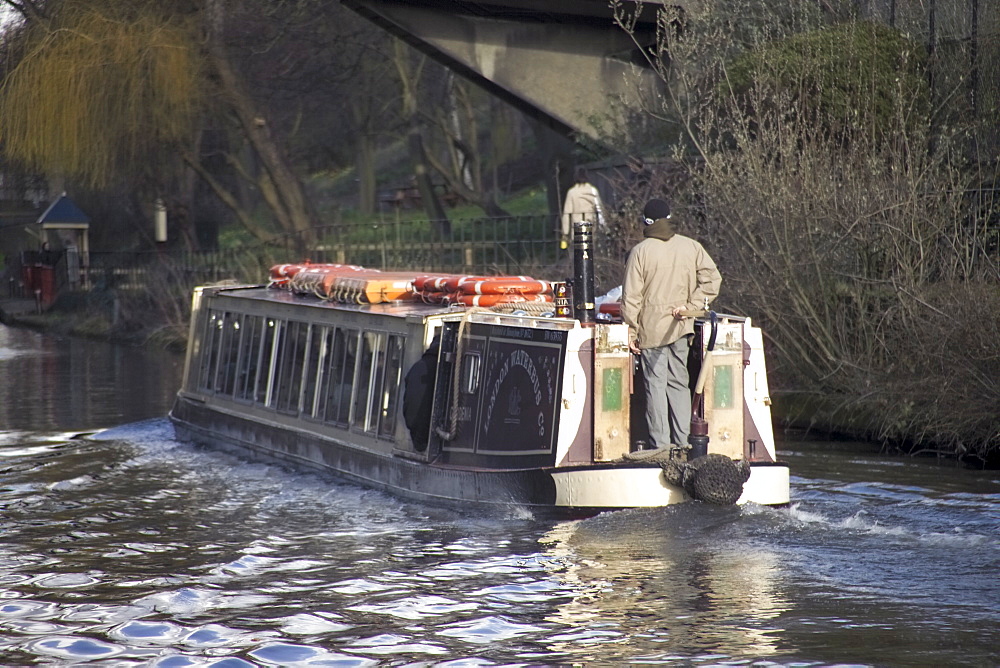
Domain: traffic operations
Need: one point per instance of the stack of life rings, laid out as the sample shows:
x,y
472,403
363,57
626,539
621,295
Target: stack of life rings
x,y
483,291
344,283
281,275
353,284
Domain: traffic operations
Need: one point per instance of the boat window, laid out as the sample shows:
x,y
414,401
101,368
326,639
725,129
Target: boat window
x,y
249,356
313,372
368,382
324,382
471,365
229,353
335,392
210,354
390,393
288,369
265,360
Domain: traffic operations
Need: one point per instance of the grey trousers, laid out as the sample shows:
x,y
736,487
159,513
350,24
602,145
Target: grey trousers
x,y
668,398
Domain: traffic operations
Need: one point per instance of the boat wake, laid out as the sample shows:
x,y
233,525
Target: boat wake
x,y
865,522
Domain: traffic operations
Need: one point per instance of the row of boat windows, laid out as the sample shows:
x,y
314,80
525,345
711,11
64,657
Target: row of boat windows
x,y
339,375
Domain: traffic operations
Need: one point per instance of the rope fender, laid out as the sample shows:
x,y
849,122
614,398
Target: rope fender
x,y
712,478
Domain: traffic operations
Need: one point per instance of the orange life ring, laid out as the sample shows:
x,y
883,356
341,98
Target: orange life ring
x,y
436,283
434,297
455,283
280,274
493,300
280,271
426,282
506,285
613,309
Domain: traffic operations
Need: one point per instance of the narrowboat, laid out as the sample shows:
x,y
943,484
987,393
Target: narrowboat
x,y
493,391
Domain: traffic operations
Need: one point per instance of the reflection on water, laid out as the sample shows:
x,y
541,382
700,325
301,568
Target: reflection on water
x,y
65,383
129,548
687,576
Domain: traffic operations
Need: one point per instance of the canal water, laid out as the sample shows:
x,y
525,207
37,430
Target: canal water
x,y
127,548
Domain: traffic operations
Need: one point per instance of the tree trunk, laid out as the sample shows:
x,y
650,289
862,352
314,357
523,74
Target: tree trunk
x,y
280,186
431,202
550,149
464,176
408,80
486,200
365,167
287,200
185,203
228,198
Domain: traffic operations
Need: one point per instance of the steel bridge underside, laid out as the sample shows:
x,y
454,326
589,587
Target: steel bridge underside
x,y
565,63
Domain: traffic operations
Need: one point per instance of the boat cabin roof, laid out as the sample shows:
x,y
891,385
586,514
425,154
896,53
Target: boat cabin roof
x,y
403,310
397,309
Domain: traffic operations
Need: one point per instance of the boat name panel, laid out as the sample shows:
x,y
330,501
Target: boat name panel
x,y
508,404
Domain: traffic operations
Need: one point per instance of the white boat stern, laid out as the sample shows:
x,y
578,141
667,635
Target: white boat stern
x,y
646,487
618,487
768,485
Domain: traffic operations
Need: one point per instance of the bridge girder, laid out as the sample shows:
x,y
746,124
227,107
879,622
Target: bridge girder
x,y
563,62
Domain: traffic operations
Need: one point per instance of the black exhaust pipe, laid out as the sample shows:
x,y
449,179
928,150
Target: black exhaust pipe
x,y
698,436
583,272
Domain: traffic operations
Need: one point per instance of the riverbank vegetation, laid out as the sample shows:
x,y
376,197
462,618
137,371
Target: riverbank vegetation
x,y
852,206
841,168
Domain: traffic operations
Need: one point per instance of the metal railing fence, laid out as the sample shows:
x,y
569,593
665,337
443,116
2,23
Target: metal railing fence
x,y
483,245
136,270
512,245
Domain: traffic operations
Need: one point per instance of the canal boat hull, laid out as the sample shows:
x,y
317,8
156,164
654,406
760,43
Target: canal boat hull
x,y
574,489
514,405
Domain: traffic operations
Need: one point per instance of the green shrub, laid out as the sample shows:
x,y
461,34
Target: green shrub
x,y
855,75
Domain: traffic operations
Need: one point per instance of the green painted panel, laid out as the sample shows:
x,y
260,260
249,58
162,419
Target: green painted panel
x,y
722,387
611,384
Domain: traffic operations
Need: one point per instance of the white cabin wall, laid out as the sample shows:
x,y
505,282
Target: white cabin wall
x,y
194,338
576,431
724,391
755,391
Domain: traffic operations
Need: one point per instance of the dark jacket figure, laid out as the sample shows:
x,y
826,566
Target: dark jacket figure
x,y
47,256
666,274
418,396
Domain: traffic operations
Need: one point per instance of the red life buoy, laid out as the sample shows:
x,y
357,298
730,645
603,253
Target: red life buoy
x,y
493,300
455,283
419,281
613,309
280,274
430,282
437,283
280,271
515,285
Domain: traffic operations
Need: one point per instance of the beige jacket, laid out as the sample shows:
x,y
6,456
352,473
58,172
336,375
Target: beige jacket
x,y
660,276
583,202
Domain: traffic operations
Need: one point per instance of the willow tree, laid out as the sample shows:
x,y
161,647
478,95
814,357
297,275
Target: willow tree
x,y
111,91
94,98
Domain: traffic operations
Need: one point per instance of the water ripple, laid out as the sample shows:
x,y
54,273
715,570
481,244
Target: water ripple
x,y
416,607
487,630
137,550
283,654
74,648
